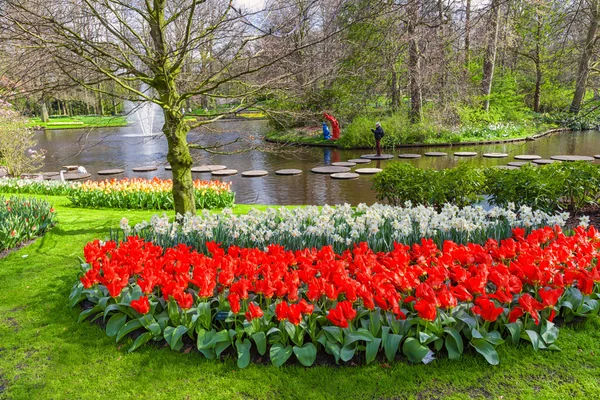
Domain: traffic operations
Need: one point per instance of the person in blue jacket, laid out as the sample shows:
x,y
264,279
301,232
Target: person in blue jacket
x,y
378,133
326,133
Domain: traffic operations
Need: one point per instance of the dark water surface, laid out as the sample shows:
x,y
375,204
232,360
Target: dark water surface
x,y
107,148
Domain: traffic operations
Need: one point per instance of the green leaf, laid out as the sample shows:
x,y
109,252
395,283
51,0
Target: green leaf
x,y
334,349
86,313
414,351
391,345
486,350
549,332
279,354
372,349
347,352
306,354
115,323
128,328
173,309
204,315
494,338
515,331
243,352
140,340
360,334
534,338
261,342
374,323
173,336
454,343
154,328
220,347
335,333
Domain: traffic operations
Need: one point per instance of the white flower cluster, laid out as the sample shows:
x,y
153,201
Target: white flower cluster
x,y
34,186
342,226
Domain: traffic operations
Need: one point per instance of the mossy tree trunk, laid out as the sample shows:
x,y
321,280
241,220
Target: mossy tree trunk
x,y
179,157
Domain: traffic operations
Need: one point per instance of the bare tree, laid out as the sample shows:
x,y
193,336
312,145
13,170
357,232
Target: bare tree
x,y
586,55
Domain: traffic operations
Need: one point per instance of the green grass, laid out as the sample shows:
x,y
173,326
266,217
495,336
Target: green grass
x,y
72,122
46,354
313,138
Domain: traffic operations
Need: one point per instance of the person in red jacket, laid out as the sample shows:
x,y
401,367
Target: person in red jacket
x,y
335,126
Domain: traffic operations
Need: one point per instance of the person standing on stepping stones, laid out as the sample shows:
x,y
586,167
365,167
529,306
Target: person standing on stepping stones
x,y
378,133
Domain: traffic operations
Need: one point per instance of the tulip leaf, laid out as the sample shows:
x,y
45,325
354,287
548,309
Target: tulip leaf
x,y
204,315
173,336
112,307
347,352
261,342
361,334
372,349
243,352
86,313
220,347
140,340
515,331
454,343
115,323
494,338
533,337
173,309
391,345
334,349
549,332
154,328
486,350
306,354
414,351
279,354
574,297
128,328
374,323
335,332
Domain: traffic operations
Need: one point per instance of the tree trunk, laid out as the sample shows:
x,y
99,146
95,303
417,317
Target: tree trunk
x,y
538,87
45,116
180,159
489,61
586,55
468,33
414,66
394,84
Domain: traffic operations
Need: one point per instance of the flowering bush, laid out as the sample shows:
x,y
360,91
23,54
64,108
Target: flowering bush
x,y
420,301
149,194
22,219
342,226
30,186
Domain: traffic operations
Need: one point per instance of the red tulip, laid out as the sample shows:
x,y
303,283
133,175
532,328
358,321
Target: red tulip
x,y
426,310
141,305
515,313
254,311
234,302
486,309
336,316
532,306
184,299
550,296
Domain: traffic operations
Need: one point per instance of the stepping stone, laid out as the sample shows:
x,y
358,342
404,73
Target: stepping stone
x,y
572,158
495,155
345,175
368,171
506,167
255,173
330,170
46,175
465,154
208,168
145,169
344,164
597,156
360,161
518,163
376,157
168,167
408,155
224,172
71,177
111,171
527,157
70,167
288,172
544,161
436,154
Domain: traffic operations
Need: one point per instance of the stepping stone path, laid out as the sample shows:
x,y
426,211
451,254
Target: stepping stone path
x,y
144,169
506,167
465,154
254,174
527,157
376,157
517,163
368,171
111,171
572,158
168,167
344,164
408,155
208,168
288,172
360,161
345,175
224,172
47,175
71,176
70,167
495,155
436,154
330,170
544,161
597,156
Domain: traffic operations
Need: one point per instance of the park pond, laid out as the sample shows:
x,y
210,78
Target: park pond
x,y
125,148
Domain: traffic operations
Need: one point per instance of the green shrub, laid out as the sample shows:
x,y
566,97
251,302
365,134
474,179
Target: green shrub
x,y
22,219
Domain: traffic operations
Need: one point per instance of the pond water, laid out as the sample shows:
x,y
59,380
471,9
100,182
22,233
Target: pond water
x,y
107,148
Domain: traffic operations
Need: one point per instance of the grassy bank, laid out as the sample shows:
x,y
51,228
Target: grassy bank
x,y
45,354
79,122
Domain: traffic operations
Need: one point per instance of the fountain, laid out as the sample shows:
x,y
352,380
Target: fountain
x,y
145,116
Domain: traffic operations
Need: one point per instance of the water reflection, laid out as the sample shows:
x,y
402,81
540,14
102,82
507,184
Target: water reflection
x,y
106,148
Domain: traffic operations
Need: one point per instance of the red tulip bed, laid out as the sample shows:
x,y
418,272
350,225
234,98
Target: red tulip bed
x,y
420,302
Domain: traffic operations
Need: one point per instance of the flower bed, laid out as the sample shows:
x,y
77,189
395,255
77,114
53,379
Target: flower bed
x,y
22,219
342,226
30,186
419,301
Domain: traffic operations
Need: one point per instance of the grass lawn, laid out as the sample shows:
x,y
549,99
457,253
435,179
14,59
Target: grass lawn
x,y
79,122
45,354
